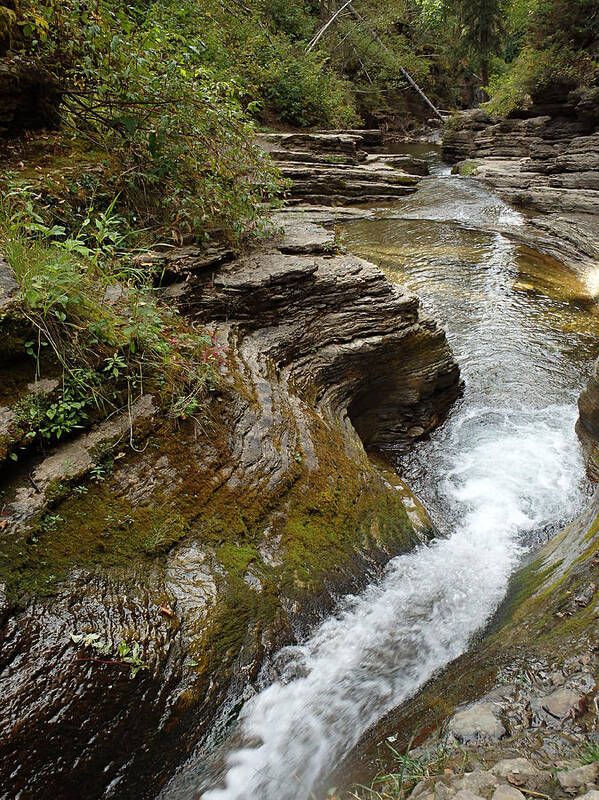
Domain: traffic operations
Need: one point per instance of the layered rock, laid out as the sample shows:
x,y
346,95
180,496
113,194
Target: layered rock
x,y
546,162
211,543
588,422
334,168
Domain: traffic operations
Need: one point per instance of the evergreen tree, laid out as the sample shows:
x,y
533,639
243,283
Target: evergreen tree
x,y
482,29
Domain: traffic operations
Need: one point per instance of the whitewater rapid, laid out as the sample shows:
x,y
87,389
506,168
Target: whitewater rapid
x,y
503,471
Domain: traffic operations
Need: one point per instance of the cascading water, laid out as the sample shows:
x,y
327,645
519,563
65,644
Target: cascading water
x,y
504,470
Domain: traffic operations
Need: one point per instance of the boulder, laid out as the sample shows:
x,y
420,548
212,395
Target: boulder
x,y
506,792
573,781
519,772
564,703
481,722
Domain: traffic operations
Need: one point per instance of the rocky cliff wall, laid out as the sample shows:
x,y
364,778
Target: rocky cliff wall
x,y
545,162
210,543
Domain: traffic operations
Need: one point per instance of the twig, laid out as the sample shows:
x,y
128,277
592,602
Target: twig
x,y
33,483
324,27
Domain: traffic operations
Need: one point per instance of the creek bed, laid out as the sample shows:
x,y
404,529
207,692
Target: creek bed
x,y
501,475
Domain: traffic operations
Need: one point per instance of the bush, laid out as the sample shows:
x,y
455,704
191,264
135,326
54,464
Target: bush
x,y
179,150
303,92
100,316
537,74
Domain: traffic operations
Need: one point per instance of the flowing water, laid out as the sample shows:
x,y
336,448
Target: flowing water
x,y
498,477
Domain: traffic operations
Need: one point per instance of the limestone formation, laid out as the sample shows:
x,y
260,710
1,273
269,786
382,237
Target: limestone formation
x,y
213,543
333,168
545,162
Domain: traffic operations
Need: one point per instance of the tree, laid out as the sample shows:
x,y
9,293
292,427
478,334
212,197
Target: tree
x,y
482,29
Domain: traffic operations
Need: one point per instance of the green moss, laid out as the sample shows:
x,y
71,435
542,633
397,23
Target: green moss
x,y
328,510
97,529
164,534
236,558
468,168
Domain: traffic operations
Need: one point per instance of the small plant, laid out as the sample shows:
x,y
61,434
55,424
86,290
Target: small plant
x,y
411,769
51,522
468,168
164,535
62,417
589,753
109,350
98,473
122,653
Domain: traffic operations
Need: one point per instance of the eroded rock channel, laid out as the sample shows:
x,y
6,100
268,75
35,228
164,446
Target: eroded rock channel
x,y
209,545
222,547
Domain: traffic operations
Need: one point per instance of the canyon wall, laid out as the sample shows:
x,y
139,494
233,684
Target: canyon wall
x,y
207,544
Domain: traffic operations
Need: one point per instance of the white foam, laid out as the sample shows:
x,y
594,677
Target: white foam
x,y
504,468
517,476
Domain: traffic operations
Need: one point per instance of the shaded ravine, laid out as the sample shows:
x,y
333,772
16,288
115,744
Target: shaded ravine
x,y
503,473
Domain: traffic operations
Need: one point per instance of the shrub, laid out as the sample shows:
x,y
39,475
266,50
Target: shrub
x,y
554,71
303,92
100,316
178,148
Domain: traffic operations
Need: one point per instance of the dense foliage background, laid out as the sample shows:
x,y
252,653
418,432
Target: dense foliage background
x,y
162,98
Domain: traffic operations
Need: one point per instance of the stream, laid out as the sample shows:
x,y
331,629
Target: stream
x,y
501,475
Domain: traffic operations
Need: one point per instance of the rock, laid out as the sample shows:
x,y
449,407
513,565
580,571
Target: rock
x,y
573,780
330,168
9,287
559,705
332,144
479,782
357,340
409,164
588,420
585,598
443,791
506,792
43,386
464,794
557,678
481,722
245,524
545,160
73,460
301,237
423,788
518,771
369,137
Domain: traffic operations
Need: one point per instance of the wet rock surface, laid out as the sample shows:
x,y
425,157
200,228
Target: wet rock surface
x,y
546,162
588,422
204,547
335,169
